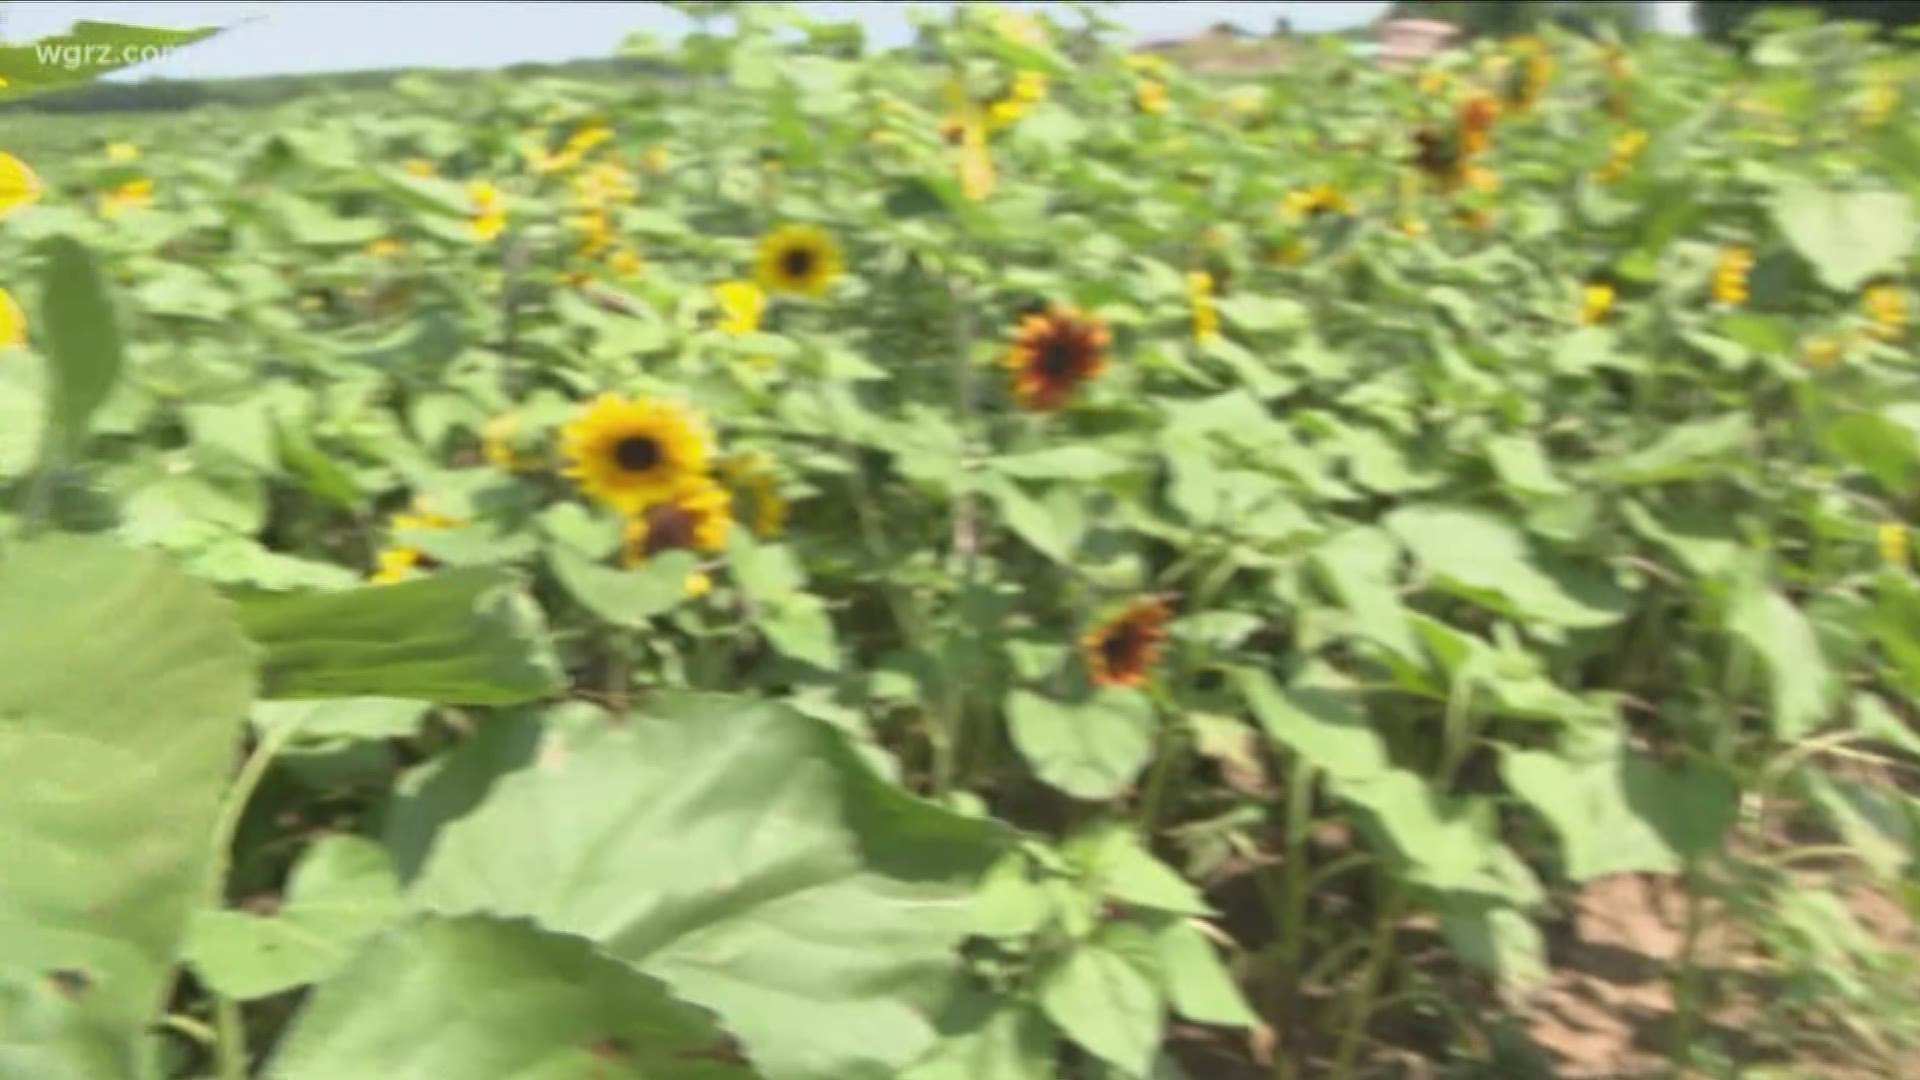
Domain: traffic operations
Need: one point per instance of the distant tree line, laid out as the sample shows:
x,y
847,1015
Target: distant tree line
x,y
1720,18
1504,18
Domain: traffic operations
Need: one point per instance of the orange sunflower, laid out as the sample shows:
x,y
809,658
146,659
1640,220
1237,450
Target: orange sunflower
x,y
1120,650
1053,353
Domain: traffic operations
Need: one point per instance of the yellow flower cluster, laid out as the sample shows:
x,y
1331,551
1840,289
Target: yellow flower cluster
x,y
1730,276
399,561
132,193
489,218
1206,314
18,187
1627,147
1886,308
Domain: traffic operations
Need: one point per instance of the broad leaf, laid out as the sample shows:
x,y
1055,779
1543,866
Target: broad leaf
x,y
122,690
1847,236
342,892
483,999
1622,813
82,340
1091,749
463,637
1105,1003
748,857
629,598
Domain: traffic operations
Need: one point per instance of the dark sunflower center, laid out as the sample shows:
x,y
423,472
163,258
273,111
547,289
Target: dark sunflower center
x,y
1058,358
797,262
669,528
1119,647
637,453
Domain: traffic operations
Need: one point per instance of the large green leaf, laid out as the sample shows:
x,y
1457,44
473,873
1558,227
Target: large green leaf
x,y
82,338
85,52
986,1039
1104,1002
1091,749
484,999
747,856
462,637
1624,812
630,598
1486,559
1847,236
1324,724
122,691
342,892
1684,452
1802,685
1360,568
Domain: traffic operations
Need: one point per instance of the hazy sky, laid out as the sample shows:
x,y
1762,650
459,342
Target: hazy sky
x,y
272,38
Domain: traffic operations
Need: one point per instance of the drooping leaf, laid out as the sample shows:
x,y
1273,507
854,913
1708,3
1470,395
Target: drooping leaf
x,y
1091,749
1198,985
1484,558
123,686
486,999
342,892
748,857
1624,812
82,339
462,637
1801,685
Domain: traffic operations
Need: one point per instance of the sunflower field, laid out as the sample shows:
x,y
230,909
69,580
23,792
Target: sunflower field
x,y
997,560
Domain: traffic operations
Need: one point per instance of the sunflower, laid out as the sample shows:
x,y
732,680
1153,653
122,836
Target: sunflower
x,y
1730,276
1527,79
1439,156
1478,111
138,192
397,564
976,166
1627,147
1894,543
122,151
656,159
384,248
499,441
797,259
741,306
1150,96
1318,200
1886,305
1596,302
13,322
18,186
1053,352
694,515
1820,353
1206,316
1119,651
752,474
625,262
419,167
1878,103
489,210
628,453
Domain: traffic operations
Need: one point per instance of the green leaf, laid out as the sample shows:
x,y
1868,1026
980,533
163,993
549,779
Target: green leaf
x,y
342,892
1107,1005
1256,314
768,573
1433,839
446,788
1496,939
800,628
122,689
1486,559
482,999
1624,812
1323,724
1061,463
81,336
1846,236
629,598
1090,750
1360,568
1885,449
1685,452
989,1039
1116,866
747,856
1896,626
1009,904
1198,985
358,718
85,52
463,637
1880,825
1523,467
1801,684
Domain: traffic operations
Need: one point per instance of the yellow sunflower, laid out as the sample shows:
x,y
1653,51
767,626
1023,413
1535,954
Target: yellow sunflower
x,y
384,248
1053,353
18,185
627,453
489,210
1120,651
741,306
1627,147
1894,543
130,194
1318,200
752,474
122,151
693,515
1150,96
1886,306
420,167
1596,301
797,259
396,564
1730,276
499,442
1206,316
13,322
1820,353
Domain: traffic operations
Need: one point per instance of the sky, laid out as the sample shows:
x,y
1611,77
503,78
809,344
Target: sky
x,y
287,37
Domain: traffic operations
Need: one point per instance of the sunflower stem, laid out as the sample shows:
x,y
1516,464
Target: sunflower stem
x,y
965,534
